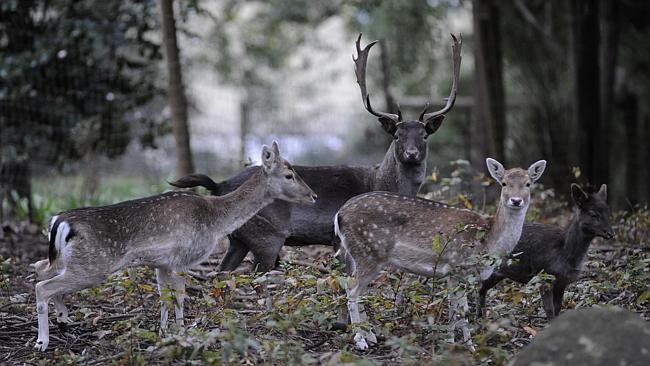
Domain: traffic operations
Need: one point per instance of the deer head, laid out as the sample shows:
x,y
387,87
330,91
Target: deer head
x,y
284,183
593,214
515,183
410,136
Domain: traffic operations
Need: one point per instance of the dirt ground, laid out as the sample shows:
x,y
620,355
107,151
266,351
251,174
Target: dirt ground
x,y
288,319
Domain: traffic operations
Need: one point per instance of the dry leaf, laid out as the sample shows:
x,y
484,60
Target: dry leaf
x,y
530,330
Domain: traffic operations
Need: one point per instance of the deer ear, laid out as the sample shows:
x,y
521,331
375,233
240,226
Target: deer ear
x,y
276,149
388,125
603,192
268,158
497,171
579,196
432,124
535,171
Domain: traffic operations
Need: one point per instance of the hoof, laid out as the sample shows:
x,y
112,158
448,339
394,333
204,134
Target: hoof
x,y
339,326
64,319
360,342
41,345
363,340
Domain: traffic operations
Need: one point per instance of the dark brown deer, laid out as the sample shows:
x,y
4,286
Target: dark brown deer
x,y
171,232
402,170
379,229
556,251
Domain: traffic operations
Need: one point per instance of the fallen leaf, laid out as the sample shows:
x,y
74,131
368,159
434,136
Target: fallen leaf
x,y
102,333
530,330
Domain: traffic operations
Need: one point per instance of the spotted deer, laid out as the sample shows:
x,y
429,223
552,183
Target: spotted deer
x,y
402,170
555,251
379,229
171,232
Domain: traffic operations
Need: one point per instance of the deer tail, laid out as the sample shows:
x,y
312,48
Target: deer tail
x,y
60,233
343,254
197,180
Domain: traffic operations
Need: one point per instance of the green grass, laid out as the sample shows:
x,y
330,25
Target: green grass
x,y
55,194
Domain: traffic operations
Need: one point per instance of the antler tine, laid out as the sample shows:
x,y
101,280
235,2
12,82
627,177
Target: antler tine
x,y
360,63
456,58
426,107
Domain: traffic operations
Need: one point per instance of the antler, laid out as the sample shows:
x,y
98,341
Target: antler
x,y
360,63
456,57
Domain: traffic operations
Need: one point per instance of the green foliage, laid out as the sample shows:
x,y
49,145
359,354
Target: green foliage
x,y
285,317
406,28
74,75
53,195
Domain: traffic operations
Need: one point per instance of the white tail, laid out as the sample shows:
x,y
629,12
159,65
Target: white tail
x,y
380,228
170,232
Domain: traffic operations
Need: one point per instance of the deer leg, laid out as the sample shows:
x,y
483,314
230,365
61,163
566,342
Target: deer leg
x,y
162,278
343,317
266,252
169,280
363,276
486,285
178,282
458,308
234,256
61,310
558,296
44,272
547,300
59,285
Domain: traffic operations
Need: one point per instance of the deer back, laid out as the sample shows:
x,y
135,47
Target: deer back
x,y
145,226
385,227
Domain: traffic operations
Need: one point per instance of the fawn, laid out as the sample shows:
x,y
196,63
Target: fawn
x,y
170,232
556,251
380,228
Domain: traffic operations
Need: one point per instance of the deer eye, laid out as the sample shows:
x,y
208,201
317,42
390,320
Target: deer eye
x,y
503,184
289,176
527,184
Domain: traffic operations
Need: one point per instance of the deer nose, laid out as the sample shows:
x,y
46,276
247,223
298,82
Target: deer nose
x,y
609,234
516,201
411,153
314,196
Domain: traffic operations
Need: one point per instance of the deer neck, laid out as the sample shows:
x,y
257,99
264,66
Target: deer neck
x,y
506,230
576,241
243,203
394,176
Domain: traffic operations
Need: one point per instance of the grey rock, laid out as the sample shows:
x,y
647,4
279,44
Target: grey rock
x,y
590,337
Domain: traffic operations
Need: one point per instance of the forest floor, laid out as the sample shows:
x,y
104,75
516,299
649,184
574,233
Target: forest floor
x,y
285,317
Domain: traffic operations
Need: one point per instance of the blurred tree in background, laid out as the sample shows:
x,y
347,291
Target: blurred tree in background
x,y
568,81
73,75
574,100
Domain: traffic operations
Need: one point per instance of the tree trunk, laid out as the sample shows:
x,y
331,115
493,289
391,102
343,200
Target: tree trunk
x,y
608,58
630,107
244,126
391,106
490,126
585,39
646,181
177,101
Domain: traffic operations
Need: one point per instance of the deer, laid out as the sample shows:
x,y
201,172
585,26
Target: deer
x,y
170,232
402,170
558,252
379,229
